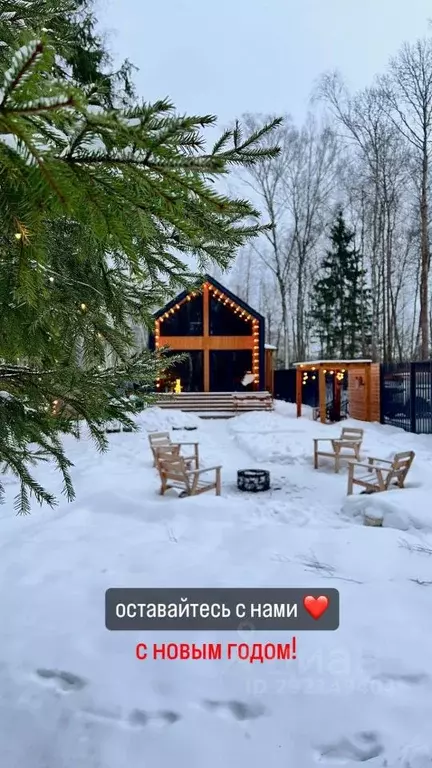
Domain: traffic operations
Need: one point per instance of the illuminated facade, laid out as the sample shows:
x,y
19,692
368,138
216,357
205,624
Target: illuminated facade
x,y
222,336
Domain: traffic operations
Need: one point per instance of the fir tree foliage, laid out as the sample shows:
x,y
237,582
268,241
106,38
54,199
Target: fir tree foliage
x,y
340,299
81,54
98,206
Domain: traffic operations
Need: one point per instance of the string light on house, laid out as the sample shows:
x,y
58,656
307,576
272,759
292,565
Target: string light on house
x,y
255,353
225,300
157,342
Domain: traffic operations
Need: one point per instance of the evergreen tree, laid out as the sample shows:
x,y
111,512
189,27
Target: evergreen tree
x,y
98,205
80,53
340,299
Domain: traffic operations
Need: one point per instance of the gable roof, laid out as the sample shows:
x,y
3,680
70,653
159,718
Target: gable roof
x,y
219,287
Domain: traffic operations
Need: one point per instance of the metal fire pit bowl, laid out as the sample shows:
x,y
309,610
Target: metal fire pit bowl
x,y
253,480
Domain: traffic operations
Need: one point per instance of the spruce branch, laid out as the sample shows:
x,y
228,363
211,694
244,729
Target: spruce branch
x,y
111,200
20,66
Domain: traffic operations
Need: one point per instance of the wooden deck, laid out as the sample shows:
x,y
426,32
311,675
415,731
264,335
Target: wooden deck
x,y
216,404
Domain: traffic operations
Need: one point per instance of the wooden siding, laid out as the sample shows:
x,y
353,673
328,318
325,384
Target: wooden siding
x,y
252,341
364,392
269,370
184,343
375,392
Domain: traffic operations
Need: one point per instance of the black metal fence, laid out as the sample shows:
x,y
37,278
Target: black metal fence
x,y
406,396
285,388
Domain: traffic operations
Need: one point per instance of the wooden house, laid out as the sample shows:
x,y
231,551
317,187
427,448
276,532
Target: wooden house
x,y
223,338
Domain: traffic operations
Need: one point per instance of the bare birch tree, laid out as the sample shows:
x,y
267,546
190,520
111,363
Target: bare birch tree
x,y
274,250
407,89
379,166
308,185
243,276
294,192
269,306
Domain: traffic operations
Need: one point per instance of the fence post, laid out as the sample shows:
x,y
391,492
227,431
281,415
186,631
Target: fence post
x,y
413,397
382,393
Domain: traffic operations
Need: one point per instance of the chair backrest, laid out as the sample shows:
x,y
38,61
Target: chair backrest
x,y
159,438
167,452
401,464
173,466
352,434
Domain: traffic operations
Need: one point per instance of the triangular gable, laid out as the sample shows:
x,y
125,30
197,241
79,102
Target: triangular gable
x,y
181,297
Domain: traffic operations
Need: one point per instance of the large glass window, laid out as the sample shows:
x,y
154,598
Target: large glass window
x,y
189,371
185,321
225,322
227,369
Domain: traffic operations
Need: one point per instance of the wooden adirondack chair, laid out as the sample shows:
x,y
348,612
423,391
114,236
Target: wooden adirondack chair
x,y
170,452
174,473
380,474
346,447
163,440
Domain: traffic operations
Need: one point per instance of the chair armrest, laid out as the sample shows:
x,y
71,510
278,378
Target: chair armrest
x,y
372,459
182,443
370,467
202,469
345,441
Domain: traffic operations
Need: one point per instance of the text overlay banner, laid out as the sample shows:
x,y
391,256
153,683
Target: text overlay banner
x,y
220,608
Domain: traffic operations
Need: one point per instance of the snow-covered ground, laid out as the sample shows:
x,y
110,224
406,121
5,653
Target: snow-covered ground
x,y
73,695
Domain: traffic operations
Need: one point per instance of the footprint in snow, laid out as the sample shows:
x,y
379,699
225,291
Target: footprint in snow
x,y
137,718
63,681
239,710
360,748
140,718
389,671
408,679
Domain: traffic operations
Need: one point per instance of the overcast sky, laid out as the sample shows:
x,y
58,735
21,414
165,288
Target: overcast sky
x,y
234,56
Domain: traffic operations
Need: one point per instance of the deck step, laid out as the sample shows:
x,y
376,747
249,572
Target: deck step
x,y
218,403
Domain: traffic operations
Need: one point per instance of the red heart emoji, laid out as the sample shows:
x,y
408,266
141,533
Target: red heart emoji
x,y
316,606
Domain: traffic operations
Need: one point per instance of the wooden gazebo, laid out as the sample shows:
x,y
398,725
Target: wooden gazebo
x,y
363,387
